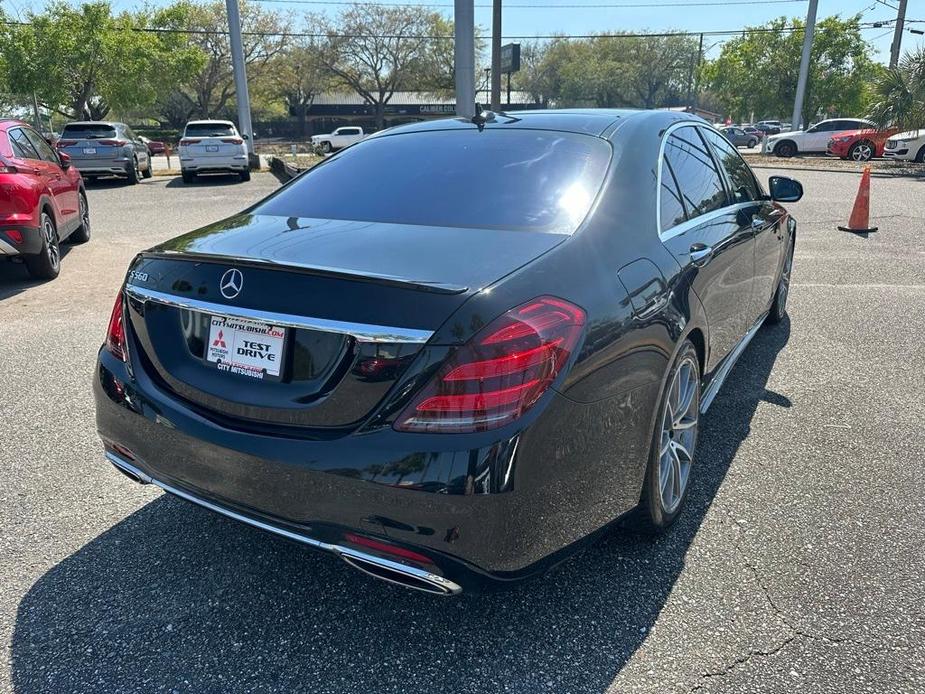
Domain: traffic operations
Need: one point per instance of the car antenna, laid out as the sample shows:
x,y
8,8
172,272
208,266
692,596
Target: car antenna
x,y
482,117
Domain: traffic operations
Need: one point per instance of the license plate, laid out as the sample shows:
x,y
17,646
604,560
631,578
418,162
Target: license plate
x,y
246,347
89,150
211,148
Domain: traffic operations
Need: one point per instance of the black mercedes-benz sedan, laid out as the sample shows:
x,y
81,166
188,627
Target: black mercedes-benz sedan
x,y
456,350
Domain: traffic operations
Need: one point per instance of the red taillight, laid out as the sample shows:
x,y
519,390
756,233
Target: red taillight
x,y
115,336
501,372
233,140
15,235
386,548
65,143
112,143
189,141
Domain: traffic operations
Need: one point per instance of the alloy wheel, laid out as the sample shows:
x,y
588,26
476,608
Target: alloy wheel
x,y
84,214
783,289
862,152
51,243
679,434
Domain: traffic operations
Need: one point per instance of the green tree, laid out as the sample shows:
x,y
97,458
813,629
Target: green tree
x,y
209,92
757,73
898,98
609,71
300,75
84,61
376,51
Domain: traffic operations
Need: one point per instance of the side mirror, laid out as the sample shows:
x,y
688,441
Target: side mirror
x,y
65,160
785,189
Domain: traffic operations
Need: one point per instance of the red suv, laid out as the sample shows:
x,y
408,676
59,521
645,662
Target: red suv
x,y
859,145
42,200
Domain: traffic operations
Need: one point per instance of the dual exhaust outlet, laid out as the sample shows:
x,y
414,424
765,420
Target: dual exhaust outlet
x,y
375,566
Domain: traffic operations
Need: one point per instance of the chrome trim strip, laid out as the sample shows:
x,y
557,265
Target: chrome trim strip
x,y
7,249
717,381
443,586
363,332
690,223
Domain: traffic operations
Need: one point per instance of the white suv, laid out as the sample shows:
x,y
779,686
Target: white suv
x,y
815,139
908,145
212,146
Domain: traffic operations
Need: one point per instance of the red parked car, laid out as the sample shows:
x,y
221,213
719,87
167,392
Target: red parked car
x,y
859,145
42,200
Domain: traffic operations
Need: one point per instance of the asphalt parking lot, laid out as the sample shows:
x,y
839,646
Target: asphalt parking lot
x,y
797,565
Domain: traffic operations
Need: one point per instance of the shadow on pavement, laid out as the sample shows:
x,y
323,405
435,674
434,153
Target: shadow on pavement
x,y
206,180
176,599
15,279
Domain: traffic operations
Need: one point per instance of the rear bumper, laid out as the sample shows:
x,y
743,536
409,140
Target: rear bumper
x,y
30,245
549,492
234,163
117,166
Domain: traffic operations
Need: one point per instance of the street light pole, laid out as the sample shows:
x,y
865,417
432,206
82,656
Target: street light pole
x,y
240,79
804,64
898,33
496,55
464,56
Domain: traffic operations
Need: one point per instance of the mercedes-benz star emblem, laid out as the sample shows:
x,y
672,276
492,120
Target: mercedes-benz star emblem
x,y
232,283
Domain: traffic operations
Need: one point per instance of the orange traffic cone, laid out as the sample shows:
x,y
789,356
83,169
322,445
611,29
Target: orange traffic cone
x,y
860,215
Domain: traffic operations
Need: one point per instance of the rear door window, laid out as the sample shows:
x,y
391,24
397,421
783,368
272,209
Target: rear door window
x,y
43,148
21,145
671,207
698,178
744,186
530,180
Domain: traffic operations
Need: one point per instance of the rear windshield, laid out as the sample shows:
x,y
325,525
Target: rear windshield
x,y
518,179
209,129
89,131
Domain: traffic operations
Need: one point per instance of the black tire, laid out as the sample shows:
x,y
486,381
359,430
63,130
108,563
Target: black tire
x,y
149,172
46,264
82,233
326,148
133,175
752,143
785,149
779,306
188,177
920,157
861,151
655,515
245,175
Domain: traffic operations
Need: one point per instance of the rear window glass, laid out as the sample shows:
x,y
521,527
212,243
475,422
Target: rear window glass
x,y
90,131
209,129
517,179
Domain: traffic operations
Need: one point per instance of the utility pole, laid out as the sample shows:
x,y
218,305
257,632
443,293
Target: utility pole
x,y
496,55
240,80
898,33
36,114
804,64
690,76
464,56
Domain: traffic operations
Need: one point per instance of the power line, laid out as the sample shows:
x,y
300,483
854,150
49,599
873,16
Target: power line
x,y
520,37
531,6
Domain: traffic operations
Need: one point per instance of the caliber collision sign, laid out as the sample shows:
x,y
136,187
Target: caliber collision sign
x,y
246,347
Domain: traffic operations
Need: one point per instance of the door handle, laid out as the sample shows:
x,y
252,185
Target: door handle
x,y
700,254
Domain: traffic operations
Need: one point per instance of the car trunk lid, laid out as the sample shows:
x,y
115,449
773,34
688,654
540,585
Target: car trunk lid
x,y
329,314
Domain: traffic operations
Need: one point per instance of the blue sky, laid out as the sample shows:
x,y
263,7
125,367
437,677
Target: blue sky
x,y
551,17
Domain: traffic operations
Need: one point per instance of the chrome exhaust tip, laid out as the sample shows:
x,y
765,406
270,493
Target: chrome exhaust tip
x,y
127,469
399,574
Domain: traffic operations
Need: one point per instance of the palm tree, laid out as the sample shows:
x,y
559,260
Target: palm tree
x,y
900,94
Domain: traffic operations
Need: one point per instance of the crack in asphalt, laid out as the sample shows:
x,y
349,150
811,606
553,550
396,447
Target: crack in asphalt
x,y
796,631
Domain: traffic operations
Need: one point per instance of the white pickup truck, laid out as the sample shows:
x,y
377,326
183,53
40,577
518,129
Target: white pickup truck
x,y
340,138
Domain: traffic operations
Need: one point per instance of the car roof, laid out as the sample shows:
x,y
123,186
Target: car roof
x,y
208,121
9,122
111,123
585,121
